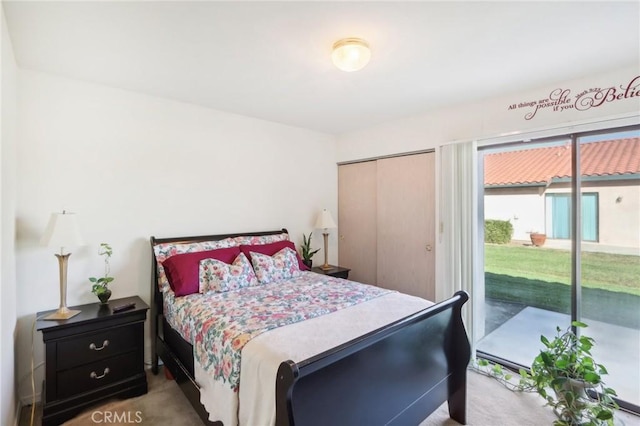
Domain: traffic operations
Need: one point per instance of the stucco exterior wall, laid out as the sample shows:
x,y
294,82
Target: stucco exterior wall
x,y
618,206
523,207
618,221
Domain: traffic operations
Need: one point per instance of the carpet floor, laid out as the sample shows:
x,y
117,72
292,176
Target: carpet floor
x,y
488,404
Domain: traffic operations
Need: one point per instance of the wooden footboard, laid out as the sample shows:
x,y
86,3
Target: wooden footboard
x,y
396,375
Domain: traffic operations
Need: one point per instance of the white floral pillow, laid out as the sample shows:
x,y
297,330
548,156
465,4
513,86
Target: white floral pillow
x,y
218,276
281,266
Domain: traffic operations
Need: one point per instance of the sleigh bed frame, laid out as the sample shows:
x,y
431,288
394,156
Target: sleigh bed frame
x,y
395,375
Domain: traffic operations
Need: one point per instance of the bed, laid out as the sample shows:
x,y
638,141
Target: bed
x,y
395,374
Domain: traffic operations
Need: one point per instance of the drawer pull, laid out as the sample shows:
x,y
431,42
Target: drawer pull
x,y
104,345
93,374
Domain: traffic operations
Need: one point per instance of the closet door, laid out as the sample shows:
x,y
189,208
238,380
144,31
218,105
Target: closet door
x,y
406,224
357,220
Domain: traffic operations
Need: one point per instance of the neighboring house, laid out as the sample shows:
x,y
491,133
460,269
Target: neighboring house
x,y
532,189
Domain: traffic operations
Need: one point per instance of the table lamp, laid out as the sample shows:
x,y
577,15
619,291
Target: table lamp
x,y
325,222
62,232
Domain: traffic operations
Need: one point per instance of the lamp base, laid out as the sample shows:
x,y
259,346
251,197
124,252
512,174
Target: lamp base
x,y
61,314
326,265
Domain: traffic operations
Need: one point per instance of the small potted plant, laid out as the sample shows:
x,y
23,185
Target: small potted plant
x,y
307,252
561,374
100,286
566,367
537,239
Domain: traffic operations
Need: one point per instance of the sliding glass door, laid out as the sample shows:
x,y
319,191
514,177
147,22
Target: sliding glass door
x,y
609,255
527,280
546,264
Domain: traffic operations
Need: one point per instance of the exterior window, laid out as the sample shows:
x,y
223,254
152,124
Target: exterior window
x,y
559,216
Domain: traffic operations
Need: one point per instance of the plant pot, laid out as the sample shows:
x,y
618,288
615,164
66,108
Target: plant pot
x,y
308,263
538,239
573,401
104,296
578,386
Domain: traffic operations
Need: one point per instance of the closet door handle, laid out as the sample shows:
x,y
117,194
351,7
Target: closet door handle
x,y
341,237
429,247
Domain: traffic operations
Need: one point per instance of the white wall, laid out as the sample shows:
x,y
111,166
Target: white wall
x,y
132,166
8,87
523,207
489,118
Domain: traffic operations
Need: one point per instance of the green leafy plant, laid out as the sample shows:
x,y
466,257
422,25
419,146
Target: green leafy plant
x,y
497,231
567,367
307,252
561,373
501,374
101,285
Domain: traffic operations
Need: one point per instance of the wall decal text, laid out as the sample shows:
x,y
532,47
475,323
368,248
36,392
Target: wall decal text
x,y
561,99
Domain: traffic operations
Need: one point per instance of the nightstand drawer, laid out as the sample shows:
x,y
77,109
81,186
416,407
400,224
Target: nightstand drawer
x,y
333,271
92,347
98,374
341,274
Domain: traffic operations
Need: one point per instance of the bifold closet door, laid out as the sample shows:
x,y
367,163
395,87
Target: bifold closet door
x,y
357,220
406,224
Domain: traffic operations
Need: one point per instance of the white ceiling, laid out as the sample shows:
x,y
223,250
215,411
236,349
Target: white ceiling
x,y
271,60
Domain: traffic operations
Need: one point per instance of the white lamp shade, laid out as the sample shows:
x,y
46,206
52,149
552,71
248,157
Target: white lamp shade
x,y
325,221
62,231
350,54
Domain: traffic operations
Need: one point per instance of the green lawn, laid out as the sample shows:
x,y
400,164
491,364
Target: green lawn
x,y
611,272
539,277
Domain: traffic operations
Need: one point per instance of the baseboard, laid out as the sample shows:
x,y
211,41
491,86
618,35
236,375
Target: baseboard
x,y
18,413
27,400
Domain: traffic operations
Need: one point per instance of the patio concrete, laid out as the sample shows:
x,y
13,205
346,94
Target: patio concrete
x,y
617,348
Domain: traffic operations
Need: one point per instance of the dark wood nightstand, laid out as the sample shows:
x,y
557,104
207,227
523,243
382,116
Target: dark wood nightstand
x,y
335,271
95,355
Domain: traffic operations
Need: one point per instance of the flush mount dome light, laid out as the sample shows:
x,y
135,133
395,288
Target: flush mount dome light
x,y
351,54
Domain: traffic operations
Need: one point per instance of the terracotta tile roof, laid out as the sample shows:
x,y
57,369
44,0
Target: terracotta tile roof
x,y
541,165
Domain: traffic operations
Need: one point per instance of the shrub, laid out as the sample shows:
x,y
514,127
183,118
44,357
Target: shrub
x,y
497,231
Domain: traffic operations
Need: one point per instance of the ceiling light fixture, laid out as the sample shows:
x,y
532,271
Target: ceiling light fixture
x,y
351,54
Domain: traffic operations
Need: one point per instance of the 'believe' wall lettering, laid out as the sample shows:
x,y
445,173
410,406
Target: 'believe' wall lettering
x,y
560,99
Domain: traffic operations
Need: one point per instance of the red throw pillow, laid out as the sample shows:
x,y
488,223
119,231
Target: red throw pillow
x,y
271,249
182,270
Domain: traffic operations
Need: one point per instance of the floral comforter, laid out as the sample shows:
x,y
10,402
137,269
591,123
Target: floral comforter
x,y
220,324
